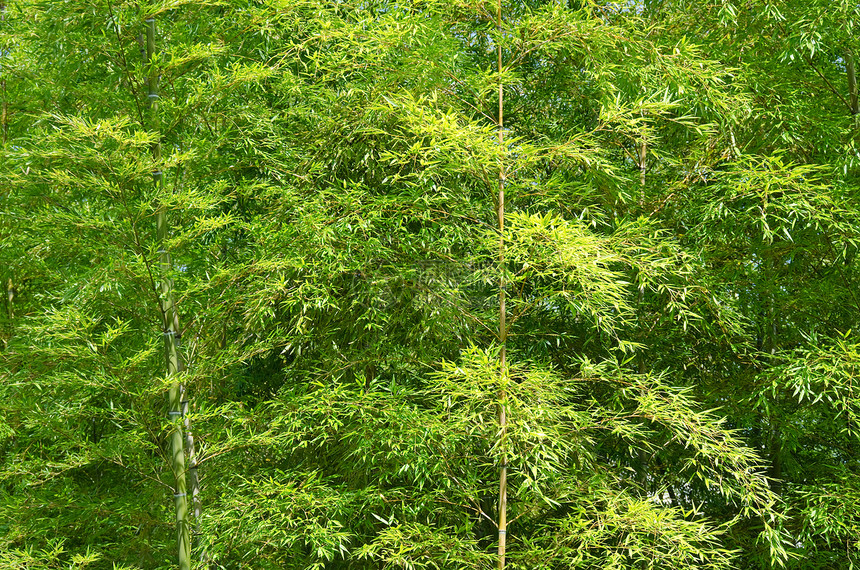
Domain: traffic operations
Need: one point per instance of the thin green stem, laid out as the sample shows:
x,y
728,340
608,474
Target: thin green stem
x,y
4,120
503,331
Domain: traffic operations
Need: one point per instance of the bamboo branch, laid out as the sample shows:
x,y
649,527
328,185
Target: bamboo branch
x,y
827,81
125,63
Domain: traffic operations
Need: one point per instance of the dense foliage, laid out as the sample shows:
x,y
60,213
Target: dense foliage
x,y
677,250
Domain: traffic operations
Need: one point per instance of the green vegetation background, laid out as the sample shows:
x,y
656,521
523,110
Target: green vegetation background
x,y
681,239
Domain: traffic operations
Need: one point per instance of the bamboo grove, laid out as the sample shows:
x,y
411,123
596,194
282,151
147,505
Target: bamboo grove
x,y
460,284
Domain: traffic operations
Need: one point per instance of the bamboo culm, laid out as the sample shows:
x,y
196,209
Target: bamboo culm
x,y
503,331
852,83
193,477
4,120
170,325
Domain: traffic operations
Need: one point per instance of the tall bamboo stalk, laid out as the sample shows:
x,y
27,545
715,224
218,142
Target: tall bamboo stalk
x,y
642,476
193,477
643,167
775,437
170,325
643,164
503,331
10,298
852,83
4,120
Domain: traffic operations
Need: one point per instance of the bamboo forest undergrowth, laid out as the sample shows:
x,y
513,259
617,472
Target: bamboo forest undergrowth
x,y
431,284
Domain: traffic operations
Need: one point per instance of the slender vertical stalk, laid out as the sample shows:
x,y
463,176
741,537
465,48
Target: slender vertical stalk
x,y
170,324
775,443
642,476
643,166
503,331
10,297
4,119
190,448
852,83
193,477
